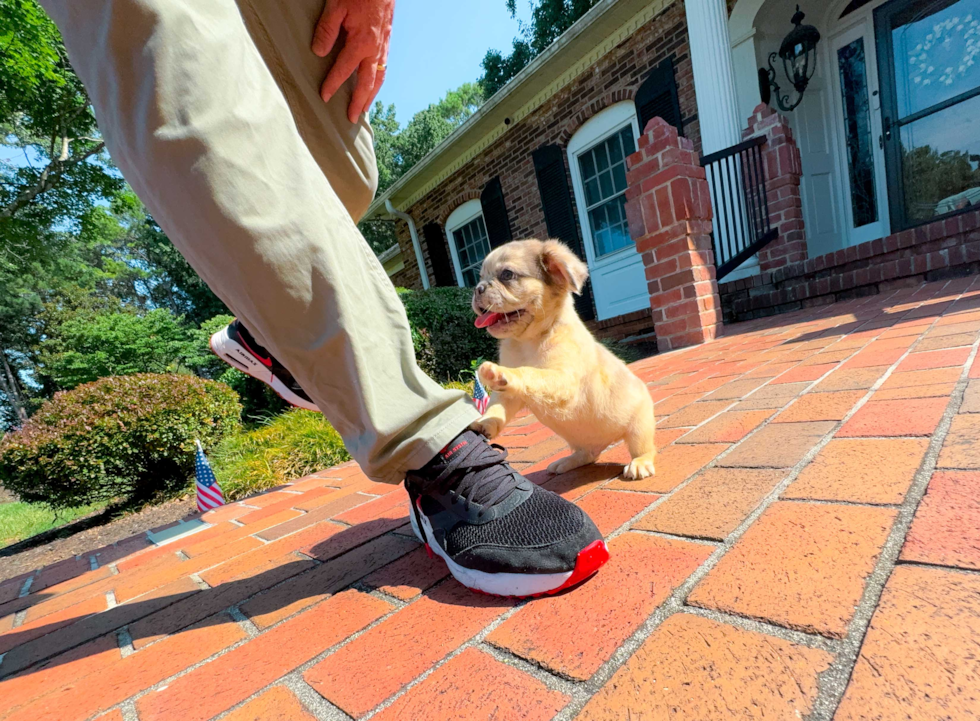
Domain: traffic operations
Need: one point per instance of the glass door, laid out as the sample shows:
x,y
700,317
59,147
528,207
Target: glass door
x,y
929,62
858,111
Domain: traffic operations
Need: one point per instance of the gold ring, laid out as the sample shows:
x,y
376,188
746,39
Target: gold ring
x,y
382,66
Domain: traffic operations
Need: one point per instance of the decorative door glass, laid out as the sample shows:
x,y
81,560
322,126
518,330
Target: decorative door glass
x,y
859,140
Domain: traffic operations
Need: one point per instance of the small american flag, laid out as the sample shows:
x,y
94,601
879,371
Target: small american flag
x,y
208,491
480,396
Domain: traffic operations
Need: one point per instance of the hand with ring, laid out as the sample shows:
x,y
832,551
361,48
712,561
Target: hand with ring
x,y
367,24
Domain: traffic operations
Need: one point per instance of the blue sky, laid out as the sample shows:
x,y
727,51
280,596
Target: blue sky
x,y
437,45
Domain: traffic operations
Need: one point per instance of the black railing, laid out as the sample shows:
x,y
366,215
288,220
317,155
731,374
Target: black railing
x,y
737,181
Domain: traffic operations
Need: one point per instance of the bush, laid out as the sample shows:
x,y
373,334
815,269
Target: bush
x,y
445,316
127,437
289,446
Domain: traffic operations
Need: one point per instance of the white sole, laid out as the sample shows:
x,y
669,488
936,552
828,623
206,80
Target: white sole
x,y
232,353
498,584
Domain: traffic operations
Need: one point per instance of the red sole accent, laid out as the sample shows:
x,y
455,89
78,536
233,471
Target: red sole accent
x,y
590,559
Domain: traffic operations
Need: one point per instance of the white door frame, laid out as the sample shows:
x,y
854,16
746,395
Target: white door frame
x,y
595,130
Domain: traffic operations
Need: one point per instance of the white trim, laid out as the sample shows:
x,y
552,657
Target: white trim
x,y
416,244
465,213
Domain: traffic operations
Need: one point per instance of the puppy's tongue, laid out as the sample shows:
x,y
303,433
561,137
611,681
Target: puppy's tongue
x,y
488,319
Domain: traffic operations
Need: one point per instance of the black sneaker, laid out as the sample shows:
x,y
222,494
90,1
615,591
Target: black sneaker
x,y
498,532
236,347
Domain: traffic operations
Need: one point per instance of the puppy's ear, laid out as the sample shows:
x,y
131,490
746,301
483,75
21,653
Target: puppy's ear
x,y
562,266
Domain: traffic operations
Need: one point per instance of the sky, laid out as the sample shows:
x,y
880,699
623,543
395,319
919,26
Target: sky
x,y
437,45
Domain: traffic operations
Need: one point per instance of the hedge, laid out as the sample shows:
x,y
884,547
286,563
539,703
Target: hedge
x,y
446,341
123,437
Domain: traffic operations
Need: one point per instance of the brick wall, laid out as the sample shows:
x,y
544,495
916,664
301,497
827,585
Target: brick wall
x,y
614,77
945,248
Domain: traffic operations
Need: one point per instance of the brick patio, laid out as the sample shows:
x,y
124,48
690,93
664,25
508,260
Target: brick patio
x,y
809,548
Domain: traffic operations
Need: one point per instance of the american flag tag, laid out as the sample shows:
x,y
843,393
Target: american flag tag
x,y
209,494
480,396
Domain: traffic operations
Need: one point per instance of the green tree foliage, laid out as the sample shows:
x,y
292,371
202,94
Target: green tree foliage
x,y
115,344
549,19
60,171
398,149
45,113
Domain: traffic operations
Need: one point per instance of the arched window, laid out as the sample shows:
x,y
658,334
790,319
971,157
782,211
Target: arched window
x,y
468,241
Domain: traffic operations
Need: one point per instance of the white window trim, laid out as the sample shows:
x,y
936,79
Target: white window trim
x,y
466,213
595,130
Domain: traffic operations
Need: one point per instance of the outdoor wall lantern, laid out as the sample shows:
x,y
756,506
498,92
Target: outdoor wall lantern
x,y
799,54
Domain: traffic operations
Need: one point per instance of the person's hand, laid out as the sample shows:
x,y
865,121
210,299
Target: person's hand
x,y
368,27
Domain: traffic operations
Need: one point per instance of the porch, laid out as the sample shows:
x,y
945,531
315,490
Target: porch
x,y
858,173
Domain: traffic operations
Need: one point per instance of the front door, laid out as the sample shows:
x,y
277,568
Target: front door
x,y
857,109
929,61
814,130
597,160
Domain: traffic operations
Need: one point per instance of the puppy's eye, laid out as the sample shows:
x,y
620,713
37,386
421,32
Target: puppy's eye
x,y
506,275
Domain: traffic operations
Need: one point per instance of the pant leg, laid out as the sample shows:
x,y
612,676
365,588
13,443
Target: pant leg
x,y
282,31
194,119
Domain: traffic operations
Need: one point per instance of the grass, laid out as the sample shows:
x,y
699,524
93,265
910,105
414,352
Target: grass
x,y
291,445
22,520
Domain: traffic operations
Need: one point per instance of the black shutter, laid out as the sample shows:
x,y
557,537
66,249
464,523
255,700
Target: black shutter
x,y
657,97
442,265
559,215
495,213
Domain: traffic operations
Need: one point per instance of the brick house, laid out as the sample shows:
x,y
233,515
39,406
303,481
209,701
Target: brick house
x,y
871,179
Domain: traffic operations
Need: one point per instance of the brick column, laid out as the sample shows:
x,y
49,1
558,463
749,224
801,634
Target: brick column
x,y
783,173
669,213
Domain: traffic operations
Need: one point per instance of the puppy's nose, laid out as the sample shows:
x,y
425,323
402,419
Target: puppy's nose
x,y
481,288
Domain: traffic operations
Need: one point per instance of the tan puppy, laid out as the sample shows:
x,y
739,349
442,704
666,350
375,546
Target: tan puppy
x,y
551,364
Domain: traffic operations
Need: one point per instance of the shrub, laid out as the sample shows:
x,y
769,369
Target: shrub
x,y
447,318
289,446
129,437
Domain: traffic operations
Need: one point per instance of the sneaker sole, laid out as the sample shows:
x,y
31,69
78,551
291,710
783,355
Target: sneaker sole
x,y
521,585
232,353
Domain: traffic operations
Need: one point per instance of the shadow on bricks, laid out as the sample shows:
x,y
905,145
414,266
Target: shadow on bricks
x,y
181,603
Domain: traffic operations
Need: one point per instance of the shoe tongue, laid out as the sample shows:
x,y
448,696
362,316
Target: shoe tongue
x,y
466,481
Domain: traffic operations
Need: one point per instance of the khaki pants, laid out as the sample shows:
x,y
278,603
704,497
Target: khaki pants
x,y
211,109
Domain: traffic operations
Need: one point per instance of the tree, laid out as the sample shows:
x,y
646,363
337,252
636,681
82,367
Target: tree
x,y
398,149
95,346
62,172
549,19
45,112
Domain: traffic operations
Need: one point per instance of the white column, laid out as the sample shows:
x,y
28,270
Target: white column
x,y
721,127
714,77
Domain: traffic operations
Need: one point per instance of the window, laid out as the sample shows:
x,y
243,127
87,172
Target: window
x,y
931,102
598,154
603,171
468,241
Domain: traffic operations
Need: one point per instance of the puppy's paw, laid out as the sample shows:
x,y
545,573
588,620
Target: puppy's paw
x,y
639,468
492,377
490,427
570,463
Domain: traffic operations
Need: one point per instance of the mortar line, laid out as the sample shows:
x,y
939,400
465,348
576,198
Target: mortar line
x,y
833,682
675,601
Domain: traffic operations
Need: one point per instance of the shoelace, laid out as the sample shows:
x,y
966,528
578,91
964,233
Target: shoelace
x,y
480,474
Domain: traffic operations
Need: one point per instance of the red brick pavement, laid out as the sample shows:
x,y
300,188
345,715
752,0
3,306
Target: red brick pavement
x,y
807,549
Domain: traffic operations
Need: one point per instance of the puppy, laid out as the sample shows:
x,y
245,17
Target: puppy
x,y
551,364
